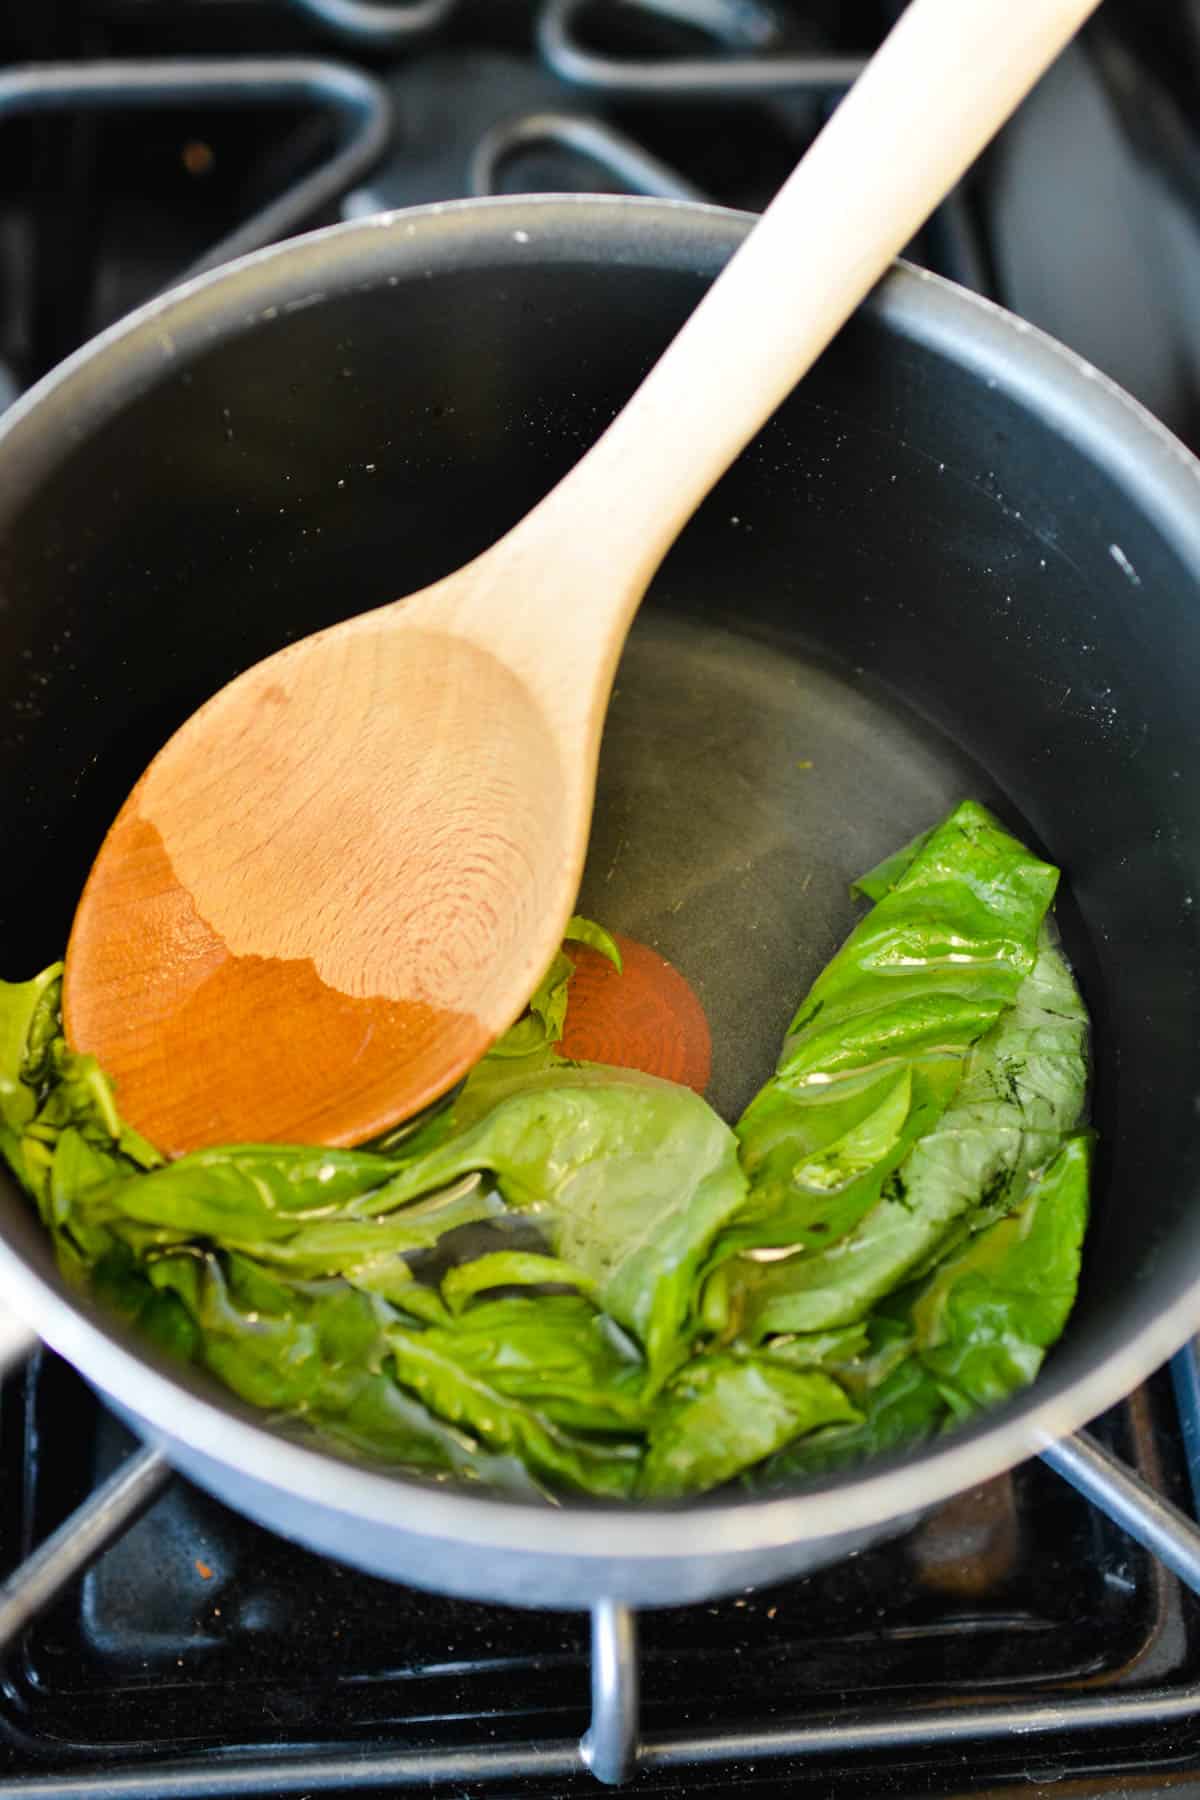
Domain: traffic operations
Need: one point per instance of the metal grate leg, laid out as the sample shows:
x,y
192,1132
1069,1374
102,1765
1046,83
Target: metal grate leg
x,y
80,1539
609,1747
1130,1502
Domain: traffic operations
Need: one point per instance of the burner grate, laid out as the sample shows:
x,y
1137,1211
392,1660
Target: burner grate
x,y
1018,1615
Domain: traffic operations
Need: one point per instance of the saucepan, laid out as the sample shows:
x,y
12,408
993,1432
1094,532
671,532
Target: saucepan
x,y
958,562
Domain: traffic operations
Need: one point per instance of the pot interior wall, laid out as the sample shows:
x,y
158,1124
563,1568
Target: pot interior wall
x,y
912,582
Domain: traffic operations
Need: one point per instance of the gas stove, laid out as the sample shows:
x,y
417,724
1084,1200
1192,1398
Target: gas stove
x,y
160,1645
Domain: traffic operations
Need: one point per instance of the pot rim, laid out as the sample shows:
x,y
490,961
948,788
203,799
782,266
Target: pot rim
x,y
133,355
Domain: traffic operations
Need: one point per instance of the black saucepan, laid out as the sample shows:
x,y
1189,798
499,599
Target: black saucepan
x,y
957,562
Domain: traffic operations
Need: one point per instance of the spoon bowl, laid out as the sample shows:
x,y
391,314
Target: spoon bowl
x,y
317,953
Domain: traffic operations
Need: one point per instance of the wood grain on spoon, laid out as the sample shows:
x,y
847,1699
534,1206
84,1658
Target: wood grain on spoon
x,y
342,878
259,951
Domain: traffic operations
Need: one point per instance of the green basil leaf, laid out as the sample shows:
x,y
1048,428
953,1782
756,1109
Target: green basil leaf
x,y
1022,1090
586,931
432,1364
630,1179
509,1268
540,1028
876,1052
972,1333
834,1350
905,1409
986,1316
360,1248
883,877
253,1193
553,1351
318,1358
23,1014
723,1413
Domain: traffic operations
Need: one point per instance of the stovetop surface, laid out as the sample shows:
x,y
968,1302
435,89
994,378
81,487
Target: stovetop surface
x,y
203,1655
1083,217
202,1642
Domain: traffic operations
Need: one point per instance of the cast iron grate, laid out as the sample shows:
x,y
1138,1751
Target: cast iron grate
x,y
1018,1627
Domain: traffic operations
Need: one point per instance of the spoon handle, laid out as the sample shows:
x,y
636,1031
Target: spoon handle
x,y
942,84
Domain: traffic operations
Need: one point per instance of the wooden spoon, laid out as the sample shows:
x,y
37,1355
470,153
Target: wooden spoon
x,y
341,879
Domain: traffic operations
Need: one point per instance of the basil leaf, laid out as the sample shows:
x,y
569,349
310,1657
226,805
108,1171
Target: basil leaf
x,y
371,1253
316,1356
951,939
462,1389
723,1413
630,1178
906,1408
586,931
22,1042
542,1024
554,1351
832,1350
253,1192
972,1333
379,1422
877,1050
509,1268
1022,1090
985,1317
883,877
